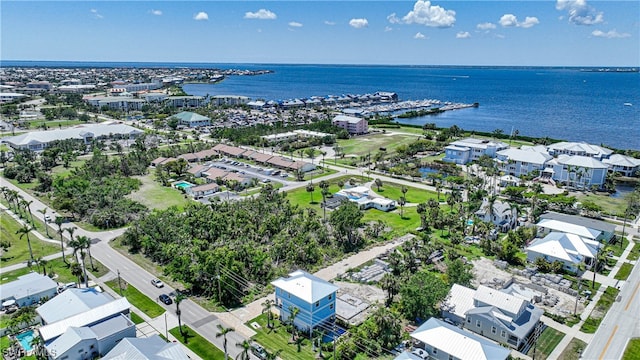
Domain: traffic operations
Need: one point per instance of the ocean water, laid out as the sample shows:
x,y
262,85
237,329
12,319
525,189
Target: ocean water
x,y
561,103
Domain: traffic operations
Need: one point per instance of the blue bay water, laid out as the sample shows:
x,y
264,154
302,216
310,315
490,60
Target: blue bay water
x,y
561,103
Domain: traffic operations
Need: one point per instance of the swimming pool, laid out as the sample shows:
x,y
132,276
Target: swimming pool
x,y
25,340
182,185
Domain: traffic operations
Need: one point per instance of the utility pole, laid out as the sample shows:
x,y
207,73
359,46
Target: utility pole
x,y
166,330
219,287
119,283
335,339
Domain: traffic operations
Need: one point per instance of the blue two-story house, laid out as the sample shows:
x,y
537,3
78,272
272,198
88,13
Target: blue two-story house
x,y
314,298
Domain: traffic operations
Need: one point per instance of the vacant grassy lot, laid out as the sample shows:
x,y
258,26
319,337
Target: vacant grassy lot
x,y
635,252
65,171
56,267
573,350
414,195
591,324
370,144
609,204
619,247
137,299
548,340
18,252
633,350
624,271
155,196
278,338
198,344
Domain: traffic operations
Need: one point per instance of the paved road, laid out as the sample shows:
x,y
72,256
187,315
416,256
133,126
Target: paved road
x,y
621,323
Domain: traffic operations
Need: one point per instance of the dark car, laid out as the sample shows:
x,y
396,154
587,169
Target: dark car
x,y
165,299
258,351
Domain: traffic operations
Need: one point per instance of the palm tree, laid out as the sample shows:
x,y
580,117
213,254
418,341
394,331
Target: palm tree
x,y
421,209
404,190
179,299
310,189
402,201
27,206
59,221
245,345
378,183
24,231
391,285
76,270
324,186
266,308
71,230
86,244
223,331
293,313
44,215
299,340
272,355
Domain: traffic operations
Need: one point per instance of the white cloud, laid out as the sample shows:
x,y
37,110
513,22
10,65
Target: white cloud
x,y
580,13
330,23
419,36
358,23
156,12
262,14
463,35
201,16
295,24
510,20
486,26
388,28
611,34
393,18
96,13
424,13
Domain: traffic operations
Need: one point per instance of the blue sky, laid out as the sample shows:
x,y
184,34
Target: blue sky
x,y
517,33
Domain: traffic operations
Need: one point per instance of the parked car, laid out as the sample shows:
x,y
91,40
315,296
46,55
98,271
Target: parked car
x,y
165,299
47,218
66,286
258,351
157,283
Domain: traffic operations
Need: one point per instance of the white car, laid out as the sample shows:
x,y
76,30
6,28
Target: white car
x,y
157,283
47,218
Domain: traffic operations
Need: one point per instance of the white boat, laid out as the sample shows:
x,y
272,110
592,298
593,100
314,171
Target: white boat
x,y
628,104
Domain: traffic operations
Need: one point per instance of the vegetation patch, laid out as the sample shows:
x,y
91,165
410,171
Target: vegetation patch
x,y
633,350
608,297
624,271
278,338
574,350
137,319
635,252
197,343
136,298
155,196
609,204
548,340
17,250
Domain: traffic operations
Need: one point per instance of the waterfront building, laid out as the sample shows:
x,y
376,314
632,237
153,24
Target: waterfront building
x,y
518,162
353,125
185,101
232,100
624,165
471,149
577,171
130,88
314,298
579,149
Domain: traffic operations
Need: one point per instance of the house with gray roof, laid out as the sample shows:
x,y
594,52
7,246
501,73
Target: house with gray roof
x,y
578,171
625,165
191,119
151,348
28,289
518,162
435,339
314,297
602,230
579,149
494,314
72,302
471,149
500,213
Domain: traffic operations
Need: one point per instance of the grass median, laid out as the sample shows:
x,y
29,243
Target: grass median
x,y
197,343
591,324
136,298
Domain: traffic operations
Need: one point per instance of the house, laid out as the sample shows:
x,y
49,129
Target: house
x,y
569,249
198,170
314,298
207,154
578,171
189,157
518,162
28,289
151,348
229,150
501,214
625,165
84,323
40,140
587,228
579,149
191,119
353,125
445,342
362,197
471,149
214,174
200,191
494,314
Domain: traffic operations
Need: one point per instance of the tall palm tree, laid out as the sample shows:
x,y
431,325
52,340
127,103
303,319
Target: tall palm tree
x,y
266,308
402,202
24,231
59,221
179,299
71,230
76,270
293,313
86,244
245,347
223,331
27,207
44,215
310,189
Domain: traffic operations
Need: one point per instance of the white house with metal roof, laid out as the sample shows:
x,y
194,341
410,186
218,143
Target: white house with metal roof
x,y
151,348
578,171
499,213
494,314
314,298
27,290
443,341
40,140
518,162
625,165
579,149
606,230
569,249
471,149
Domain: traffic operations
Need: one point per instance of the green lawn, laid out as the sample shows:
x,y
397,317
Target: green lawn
x,y
394,191
155,196
63,171
137,319
278,338
635,252
370,144
19,250
573,350
624,272
548,340
58,267
609,204
633,350
137,299
618,248
591,324
198,344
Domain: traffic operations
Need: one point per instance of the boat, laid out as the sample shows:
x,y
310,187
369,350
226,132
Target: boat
x,y
628,104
